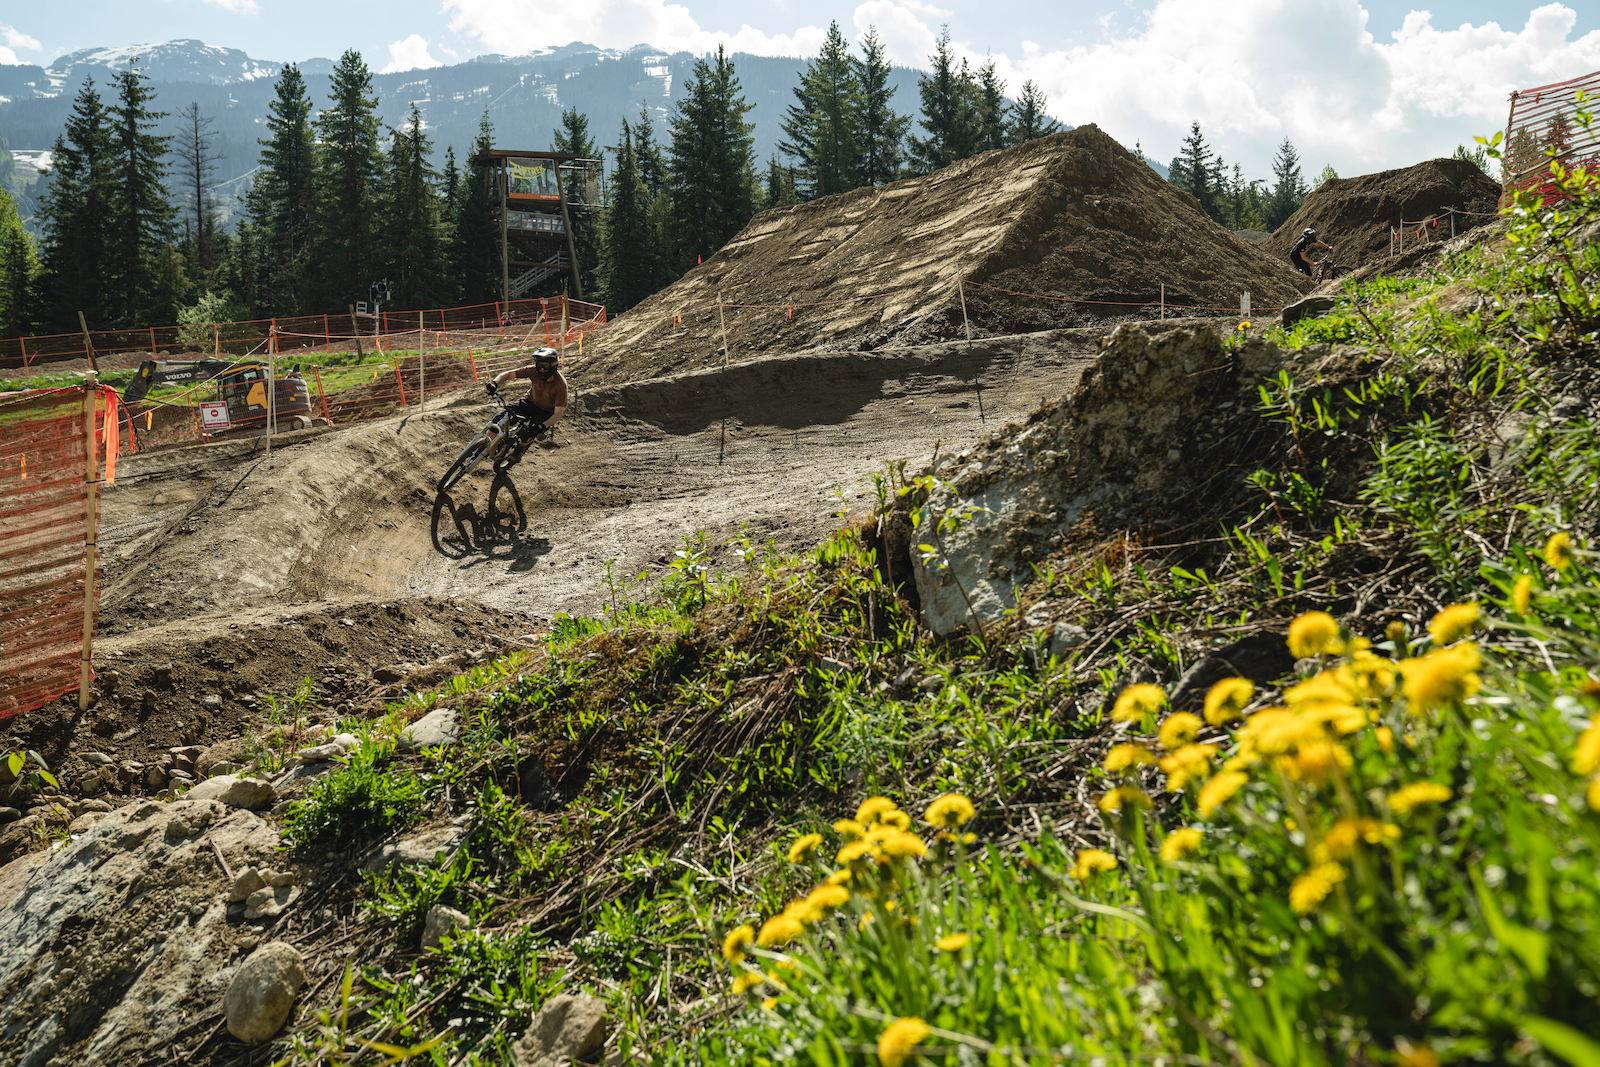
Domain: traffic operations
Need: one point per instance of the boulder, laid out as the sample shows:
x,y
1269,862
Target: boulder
x,y
1310,307
259,998
567,1028
1065,637
229,751
441,726
442,922
248,793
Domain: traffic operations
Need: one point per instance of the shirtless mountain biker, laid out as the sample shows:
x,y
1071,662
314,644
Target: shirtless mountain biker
x,y
546,401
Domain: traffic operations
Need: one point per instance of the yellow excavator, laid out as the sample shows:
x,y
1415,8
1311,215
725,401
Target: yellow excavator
x,y
239,406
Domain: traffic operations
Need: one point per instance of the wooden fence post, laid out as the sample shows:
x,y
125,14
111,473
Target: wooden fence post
x,y
723,323
91,486
355,327
961,287
422,362
23,341
88,349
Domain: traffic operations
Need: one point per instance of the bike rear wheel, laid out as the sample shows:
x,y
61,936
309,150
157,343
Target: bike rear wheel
x,y
469,457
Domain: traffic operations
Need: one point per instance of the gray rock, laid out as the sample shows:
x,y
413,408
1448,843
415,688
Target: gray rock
x,y
246,882
1310,307
441,726
100,759
1039,614
832,666
251,793
211,700
268,902
1065,637
9,815
415,850
567,1028
93,805
85,822
259,998
442,922
332,749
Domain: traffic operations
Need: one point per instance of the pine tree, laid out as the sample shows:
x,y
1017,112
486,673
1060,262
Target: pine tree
x,y
992,109
283,199
1194,171
652,167
780,185
1327,175
346,177
882,131
476,242
19,272
628,250
1030,120
1288,188
197,171
573,138
822,126
950,112
411,232
450,190
75,215
141,216
710,169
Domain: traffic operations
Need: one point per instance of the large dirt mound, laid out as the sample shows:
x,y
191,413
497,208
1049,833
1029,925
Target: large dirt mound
x,y
1355,214
1071,215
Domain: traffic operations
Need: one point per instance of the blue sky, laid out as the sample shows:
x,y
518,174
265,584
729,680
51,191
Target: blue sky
x,y
1362,87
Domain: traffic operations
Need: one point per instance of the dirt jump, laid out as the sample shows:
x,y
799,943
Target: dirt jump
x,y
1357,215
1074,220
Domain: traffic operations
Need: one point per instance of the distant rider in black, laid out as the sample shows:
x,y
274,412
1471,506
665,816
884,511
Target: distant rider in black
x,y
1297,254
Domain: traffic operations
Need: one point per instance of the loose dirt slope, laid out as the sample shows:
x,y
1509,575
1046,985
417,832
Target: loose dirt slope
x,y
1071,215
1355,214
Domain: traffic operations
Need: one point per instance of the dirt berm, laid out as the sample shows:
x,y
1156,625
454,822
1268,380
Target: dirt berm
x,y
1073,215
1354,215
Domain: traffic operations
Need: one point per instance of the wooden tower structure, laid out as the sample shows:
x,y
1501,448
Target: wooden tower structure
x,y
534,212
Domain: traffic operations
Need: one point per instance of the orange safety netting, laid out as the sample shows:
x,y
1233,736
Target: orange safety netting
x,y
45,538
1542,126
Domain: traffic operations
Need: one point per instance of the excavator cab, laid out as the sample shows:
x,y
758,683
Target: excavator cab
x,y
241,389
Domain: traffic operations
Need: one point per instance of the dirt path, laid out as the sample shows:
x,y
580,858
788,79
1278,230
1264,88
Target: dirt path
x,y
773,448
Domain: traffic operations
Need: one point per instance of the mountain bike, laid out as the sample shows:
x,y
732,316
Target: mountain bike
x,y
1325,269
504,439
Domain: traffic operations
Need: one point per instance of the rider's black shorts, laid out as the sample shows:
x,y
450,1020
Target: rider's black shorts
x,y
1300,264
527,409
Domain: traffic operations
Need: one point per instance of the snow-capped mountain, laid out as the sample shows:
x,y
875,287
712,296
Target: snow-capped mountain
x,y
167,61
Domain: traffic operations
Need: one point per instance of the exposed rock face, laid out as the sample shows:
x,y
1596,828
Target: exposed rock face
x,y
116,947
442,922
262,992
1137,444
439,727
251,793
567,1028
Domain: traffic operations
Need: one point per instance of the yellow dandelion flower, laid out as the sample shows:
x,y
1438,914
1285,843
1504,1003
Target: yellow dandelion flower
x,y
804,847
1179,729
1313,887
1396,633
1227,700
854,851
1115,799
897,820
1136,701
849,829
1312,634
838,877
1592,795
780,930
1342,839
1409,798
1385,740
878,834
1415,1056
899,1038
1219,791
904,845
1190,761
953,942
1453,623
1245,758
1315,760
1274,731
746,982
1586,755
1182,842
1093,861
737,942
865,921
827,896
801,911
1440,677
873,809
1522,594
1121,757
949,811
1558,551
769,1004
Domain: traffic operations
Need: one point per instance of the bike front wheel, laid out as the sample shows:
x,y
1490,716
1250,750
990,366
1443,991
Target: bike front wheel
x,y
469,457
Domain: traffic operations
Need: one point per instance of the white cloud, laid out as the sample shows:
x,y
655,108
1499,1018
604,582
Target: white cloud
x,y
410,54
15,39
238,7
515,26
1255,71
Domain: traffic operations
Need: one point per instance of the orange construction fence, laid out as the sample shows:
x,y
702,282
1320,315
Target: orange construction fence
x,y
310,333
50,471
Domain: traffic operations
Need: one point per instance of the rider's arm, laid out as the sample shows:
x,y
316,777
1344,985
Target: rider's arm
x,y
553,419
516,372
